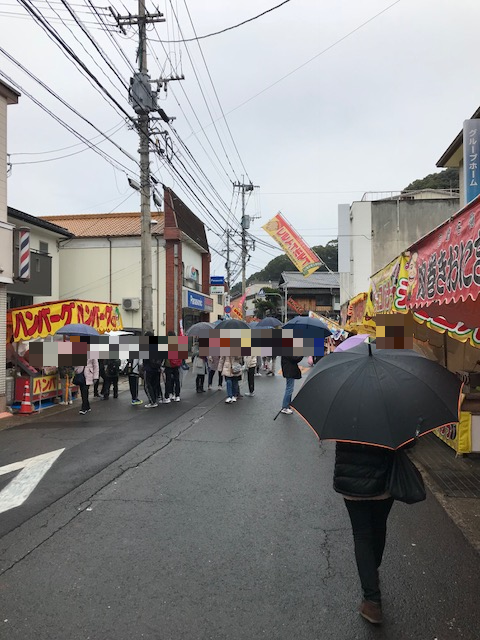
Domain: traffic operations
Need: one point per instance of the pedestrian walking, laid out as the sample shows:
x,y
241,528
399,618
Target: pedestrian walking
x,y
360,475
291,372
270,365
212,362
84,377
200,370
259,366
250,365
152,367
112,372
172,377
231,369
101,377
134,371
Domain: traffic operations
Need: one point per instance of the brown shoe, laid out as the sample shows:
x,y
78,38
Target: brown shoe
x,y
371,611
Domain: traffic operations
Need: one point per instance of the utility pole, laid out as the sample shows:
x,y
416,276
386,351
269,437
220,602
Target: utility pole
x,y
143,100
245,225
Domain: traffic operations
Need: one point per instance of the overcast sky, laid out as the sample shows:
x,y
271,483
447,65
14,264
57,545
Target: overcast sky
x,y
371,113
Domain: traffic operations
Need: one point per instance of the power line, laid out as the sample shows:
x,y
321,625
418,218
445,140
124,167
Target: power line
x,y
113,130
235,26
214,89
69,53
65,103
115,163
208,106
310,60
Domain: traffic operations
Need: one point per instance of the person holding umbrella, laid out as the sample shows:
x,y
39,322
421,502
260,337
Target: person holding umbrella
x,y
375,402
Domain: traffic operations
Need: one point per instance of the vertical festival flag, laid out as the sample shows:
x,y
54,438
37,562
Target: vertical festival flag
x,y
293,244
24,254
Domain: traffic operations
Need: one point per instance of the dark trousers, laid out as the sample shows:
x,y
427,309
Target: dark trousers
x,y
152,386
211,375
172,382
84,393
251,379
369,525
109,382
200,381
133,384
96,385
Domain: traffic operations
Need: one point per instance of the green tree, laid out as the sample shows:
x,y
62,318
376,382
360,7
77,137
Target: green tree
x,y
446,179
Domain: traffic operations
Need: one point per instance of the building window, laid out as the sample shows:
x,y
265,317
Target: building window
x,y
323,300
220,298
43,247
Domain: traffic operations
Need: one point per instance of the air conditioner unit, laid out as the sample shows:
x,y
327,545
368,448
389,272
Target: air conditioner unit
x,y
131,304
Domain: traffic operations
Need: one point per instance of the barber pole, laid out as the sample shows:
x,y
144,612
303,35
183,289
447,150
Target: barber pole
x,y
24,254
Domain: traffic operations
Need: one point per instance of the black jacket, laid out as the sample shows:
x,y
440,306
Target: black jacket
x,y
361,470
290,367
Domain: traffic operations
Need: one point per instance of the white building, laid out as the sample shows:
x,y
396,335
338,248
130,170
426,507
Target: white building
x,y
371,233
102,262
8,96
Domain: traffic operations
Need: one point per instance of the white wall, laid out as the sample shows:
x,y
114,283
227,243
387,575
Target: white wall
x,y
360,230
85,274
193,257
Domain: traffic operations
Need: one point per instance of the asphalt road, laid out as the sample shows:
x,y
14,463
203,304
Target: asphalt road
x,y
219,524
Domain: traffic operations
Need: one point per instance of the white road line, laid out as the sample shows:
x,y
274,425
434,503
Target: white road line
x,y
20,487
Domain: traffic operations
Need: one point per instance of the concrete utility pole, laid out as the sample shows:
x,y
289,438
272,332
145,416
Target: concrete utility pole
x,y
245,225
144,101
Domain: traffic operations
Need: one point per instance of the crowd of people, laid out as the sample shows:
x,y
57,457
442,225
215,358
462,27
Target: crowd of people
x,y
103,376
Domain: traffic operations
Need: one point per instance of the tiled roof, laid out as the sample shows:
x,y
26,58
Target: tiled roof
x,y
95,225
318,280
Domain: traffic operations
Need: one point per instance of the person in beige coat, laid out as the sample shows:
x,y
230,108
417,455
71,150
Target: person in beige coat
x,y
231,369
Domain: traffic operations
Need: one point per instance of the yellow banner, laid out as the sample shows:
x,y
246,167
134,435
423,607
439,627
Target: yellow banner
x,y
458,436
236,313
389,289
44,320
293,244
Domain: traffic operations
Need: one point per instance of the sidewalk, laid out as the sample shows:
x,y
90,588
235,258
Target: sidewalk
x,y
455,482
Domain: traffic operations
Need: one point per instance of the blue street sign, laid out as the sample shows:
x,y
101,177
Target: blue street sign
x,y
217,280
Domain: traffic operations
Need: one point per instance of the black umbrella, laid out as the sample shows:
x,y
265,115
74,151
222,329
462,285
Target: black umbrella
x,y
269,323
308,327
232,323
200,329
384,397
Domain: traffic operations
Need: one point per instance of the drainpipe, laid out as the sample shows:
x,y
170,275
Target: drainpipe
x,y
110,270
175,287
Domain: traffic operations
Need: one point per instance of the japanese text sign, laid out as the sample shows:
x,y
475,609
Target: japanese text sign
x,y
294,246
444,267
44,320
471,159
